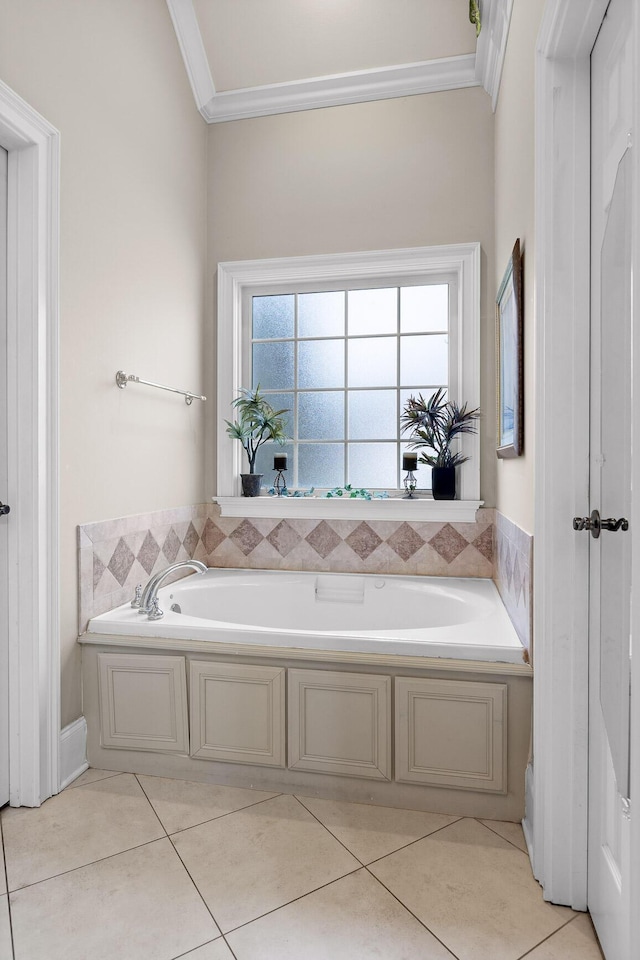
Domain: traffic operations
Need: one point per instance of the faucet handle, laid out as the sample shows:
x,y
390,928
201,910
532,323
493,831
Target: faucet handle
x,y
138,596
154,612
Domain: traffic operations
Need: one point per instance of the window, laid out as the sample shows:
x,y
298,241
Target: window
x,y
342,341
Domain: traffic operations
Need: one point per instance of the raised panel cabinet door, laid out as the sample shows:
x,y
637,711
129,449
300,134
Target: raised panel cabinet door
x,y
451,733
340,723
237,713
143,702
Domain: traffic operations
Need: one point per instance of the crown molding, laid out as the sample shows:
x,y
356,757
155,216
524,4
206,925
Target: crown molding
x,y
360,86
492,45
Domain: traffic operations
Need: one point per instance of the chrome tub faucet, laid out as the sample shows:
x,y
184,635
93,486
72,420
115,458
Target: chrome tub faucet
x,y
146,600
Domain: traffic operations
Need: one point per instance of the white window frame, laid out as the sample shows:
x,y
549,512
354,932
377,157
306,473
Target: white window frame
x,y
238,278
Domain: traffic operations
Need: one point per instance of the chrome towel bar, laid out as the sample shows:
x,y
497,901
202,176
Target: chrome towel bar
x,y
122,379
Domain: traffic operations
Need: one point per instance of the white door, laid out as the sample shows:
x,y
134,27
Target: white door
x,y
610,482
4,620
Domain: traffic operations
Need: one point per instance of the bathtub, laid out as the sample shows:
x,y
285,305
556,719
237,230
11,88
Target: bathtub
x,y
441,617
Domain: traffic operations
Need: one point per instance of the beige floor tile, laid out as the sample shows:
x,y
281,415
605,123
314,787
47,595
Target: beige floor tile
x,y
183,803
218,950
3,878
6,952
352,919
576,941
473,890
138,905
260,858
75,828
91,776
510,831
370,832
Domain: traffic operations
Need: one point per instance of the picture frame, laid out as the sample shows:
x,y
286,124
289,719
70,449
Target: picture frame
x,y
510,360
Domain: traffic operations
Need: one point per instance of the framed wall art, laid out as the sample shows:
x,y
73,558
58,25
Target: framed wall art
x,y
510,359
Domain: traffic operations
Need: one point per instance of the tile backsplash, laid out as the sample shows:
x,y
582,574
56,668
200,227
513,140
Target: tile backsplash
x,y
115,555
513,576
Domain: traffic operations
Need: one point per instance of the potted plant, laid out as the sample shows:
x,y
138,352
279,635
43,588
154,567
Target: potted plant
x,y
257,422
435,424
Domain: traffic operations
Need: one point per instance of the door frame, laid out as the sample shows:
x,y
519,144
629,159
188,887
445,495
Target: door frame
x,y
32,386
556,821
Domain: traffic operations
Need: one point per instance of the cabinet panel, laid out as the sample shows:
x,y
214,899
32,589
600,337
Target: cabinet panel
x,y
340,723
143,702
237,713
451,733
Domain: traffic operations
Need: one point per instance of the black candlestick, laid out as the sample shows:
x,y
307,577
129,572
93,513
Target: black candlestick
x,y
410,464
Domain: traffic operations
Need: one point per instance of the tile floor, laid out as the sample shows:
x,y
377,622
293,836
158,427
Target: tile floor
x,y
143,868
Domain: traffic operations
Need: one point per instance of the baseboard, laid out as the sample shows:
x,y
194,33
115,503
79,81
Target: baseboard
x,y
73,751
528,822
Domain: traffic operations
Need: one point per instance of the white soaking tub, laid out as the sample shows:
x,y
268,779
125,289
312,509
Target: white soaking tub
x,y
444,617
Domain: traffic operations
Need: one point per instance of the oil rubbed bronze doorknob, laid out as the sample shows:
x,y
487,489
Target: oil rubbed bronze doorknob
x,y
595,524
4,509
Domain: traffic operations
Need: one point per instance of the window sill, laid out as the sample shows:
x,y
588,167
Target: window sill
x,y
321,508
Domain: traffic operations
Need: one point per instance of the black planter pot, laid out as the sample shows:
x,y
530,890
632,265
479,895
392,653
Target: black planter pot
x,y
443,483
251,484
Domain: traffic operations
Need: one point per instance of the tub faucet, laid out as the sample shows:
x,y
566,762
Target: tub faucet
x,y
149,597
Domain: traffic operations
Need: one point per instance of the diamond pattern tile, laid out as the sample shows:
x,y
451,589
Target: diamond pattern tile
x,y
191,540
448,542
148,553
171,545
405,541
212,536
98,569
484,543
121,561
246,537
363,540
323,539
284,538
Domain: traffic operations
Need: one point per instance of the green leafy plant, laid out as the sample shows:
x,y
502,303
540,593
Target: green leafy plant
x,y
257,422
435,424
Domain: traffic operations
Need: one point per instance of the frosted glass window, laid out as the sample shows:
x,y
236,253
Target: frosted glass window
x,y
373,464
282,401
321,314
320,464
321,363
273,365
373,415
373,311
424,308
424,360
273,317
321,416
373,362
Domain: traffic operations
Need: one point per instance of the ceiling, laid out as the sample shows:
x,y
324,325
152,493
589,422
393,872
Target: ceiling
x,y
252,58
249,43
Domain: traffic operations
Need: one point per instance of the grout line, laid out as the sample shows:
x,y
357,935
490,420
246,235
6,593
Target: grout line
x,y
151,805
74,786
6,882
552,934
294,900
199,947
196,887
229,813
412,842
408,909
228,945
331,834
81,866
483,824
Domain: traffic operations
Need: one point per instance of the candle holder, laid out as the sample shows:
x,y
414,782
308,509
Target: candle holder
x,y
410,464
280,483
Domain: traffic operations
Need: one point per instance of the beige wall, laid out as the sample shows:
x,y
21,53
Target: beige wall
x,y
395,173
110,77
515,181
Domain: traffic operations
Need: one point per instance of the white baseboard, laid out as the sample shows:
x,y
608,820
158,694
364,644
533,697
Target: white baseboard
x,y
528,822
73,751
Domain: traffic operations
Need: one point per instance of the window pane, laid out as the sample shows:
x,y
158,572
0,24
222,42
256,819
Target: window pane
x,y
273,365
321,416
424,308
264,461
273,316
373,311
321,363
320,464
321,314
373,465
424,360
373,415
372,363
282,401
